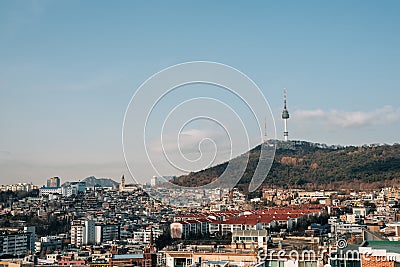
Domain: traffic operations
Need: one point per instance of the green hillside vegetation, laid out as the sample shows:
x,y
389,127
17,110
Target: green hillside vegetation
x,y
300,164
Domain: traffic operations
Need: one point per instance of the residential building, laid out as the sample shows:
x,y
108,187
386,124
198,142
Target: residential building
x,y
74,188
46,191
17,243
249,239
82,232
106,232
49,244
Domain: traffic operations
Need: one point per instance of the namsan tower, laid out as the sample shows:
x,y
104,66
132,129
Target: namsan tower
x,y
285,116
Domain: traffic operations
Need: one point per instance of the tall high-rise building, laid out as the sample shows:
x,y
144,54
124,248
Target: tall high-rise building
x,y
53,182
83,232
285,117
77,233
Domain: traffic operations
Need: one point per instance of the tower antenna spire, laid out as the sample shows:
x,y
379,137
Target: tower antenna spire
x,y
285,116
265,130
284,98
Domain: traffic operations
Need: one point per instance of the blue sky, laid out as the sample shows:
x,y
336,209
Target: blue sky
x,y
69,68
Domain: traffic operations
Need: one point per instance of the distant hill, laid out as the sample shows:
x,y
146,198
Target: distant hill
x,y
308,165
92,181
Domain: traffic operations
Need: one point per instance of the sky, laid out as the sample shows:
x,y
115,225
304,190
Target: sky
x,y
68,70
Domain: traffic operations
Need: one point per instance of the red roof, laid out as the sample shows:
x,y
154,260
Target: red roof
x,y
267,215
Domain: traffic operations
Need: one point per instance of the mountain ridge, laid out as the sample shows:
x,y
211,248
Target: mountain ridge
x,y
303,164
93,181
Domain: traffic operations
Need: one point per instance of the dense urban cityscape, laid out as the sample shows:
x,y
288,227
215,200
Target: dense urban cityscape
x,y
199,133
101,222
77,225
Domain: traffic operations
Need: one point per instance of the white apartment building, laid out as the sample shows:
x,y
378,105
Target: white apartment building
x,y
82,232
27,187
74,188
46,191
144,236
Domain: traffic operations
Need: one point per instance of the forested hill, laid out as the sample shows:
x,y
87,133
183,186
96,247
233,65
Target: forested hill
x,y
300,164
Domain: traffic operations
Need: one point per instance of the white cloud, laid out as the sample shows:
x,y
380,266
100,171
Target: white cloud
x,y
351,119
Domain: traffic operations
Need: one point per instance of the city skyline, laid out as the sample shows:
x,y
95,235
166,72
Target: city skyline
x,y
69,69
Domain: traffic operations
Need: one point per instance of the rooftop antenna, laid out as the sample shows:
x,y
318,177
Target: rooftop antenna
x,y
265,131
